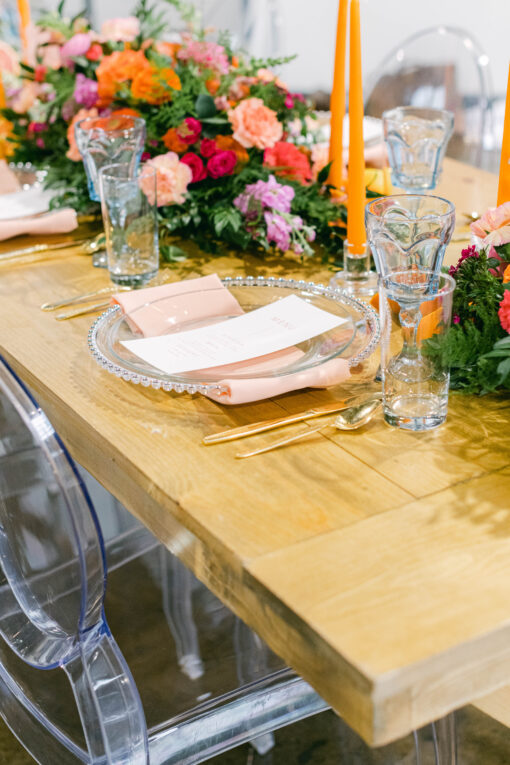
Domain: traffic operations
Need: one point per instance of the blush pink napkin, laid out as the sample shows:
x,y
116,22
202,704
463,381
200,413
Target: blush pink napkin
x,y
58,222
8,180
187,301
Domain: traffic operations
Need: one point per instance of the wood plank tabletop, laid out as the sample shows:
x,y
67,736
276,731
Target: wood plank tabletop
x,y
376,563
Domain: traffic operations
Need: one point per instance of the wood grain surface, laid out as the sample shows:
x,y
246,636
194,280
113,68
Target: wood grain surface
x,y
377,562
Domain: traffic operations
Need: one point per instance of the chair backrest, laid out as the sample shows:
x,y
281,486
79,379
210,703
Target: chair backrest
x,y
442,67
52,579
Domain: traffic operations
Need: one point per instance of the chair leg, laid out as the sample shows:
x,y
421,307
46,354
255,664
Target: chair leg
x,y
177,582
251,663
441,737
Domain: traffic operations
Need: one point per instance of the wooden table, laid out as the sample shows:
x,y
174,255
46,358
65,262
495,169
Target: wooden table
x,y
376,563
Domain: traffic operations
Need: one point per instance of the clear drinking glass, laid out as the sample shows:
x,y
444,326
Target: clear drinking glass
x,y
128,203
416,308
107,140
409,230
416,140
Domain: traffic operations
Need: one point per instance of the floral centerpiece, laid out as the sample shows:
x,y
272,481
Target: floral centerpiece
x,y
232,146
477,346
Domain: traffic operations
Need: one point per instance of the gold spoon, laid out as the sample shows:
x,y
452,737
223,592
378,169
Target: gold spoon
x,y
352,418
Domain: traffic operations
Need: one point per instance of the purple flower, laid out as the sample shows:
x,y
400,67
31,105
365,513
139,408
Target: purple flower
x,y
85,91
456,318
278,230
468,252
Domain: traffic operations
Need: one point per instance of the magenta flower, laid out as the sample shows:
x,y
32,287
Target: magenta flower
x,y
222,163
85,91
196,166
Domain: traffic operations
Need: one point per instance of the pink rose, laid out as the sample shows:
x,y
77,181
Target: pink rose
x,y
189,130
120,30
494,226
172,178
222,163
196,166
208,147
254,124
78,45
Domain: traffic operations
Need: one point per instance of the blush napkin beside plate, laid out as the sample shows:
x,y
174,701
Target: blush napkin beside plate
x,y
206,297
26,211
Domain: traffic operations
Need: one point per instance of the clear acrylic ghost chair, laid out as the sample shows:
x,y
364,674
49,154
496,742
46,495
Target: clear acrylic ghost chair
x,y
51,617
445,68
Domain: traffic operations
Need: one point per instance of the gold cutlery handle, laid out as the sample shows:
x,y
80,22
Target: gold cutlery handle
x,y
35,249
281,442
82,298
256,427
82,311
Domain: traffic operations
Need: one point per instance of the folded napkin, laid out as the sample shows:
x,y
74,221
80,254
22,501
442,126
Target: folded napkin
x,y
207,297
8,180
58,222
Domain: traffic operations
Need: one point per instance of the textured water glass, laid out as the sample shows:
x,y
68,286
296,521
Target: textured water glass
x,y
416,140
409,230
416,309
109,140
128,203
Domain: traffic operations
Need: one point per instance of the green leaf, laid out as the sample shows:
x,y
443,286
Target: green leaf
x,y
504,369
205,106
323,175
226,217
172,254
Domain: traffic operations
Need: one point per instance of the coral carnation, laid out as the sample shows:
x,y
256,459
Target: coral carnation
x,y
504,311
172,178
254,124
290,161
494,226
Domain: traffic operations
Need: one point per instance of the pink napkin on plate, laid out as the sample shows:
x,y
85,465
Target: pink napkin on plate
x,y
58,222
207,297
8,180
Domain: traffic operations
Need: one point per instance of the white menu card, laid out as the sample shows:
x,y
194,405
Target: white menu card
x,y
265,330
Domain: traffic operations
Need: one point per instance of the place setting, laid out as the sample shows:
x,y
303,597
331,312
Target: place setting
x,y
269,333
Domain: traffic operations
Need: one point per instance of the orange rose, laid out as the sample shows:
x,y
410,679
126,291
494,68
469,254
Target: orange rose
x,y
155,86
212,85
120,66
227,143
173,142
83,114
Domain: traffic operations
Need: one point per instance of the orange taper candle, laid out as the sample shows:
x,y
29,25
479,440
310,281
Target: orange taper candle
x,y
356,235
337,106
504,165
2,93
24,23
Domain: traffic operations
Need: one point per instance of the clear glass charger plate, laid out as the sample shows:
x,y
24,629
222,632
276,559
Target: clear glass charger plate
x,y
355,339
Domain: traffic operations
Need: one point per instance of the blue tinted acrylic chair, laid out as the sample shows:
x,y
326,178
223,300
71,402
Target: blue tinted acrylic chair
x,y
52,587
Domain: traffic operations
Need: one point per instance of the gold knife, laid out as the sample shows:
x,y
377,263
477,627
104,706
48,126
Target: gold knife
x,y
37,248
82,311
261,427
87,297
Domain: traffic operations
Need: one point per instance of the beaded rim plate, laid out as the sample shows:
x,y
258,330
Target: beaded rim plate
x,y
358,339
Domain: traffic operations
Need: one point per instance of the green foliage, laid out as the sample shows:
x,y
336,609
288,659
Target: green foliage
x,y
476,347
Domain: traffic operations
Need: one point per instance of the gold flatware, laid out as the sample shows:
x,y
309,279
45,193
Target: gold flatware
x,y
260,427
351,418
38,248
82,311
472,216
460,238
86,297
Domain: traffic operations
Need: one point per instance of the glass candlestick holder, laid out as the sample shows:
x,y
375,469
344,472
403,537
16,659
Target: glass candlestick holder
x,y
356,278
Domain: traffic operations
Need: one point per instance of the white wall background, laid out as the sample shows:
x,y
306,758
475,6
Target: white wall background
x,y
307,27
